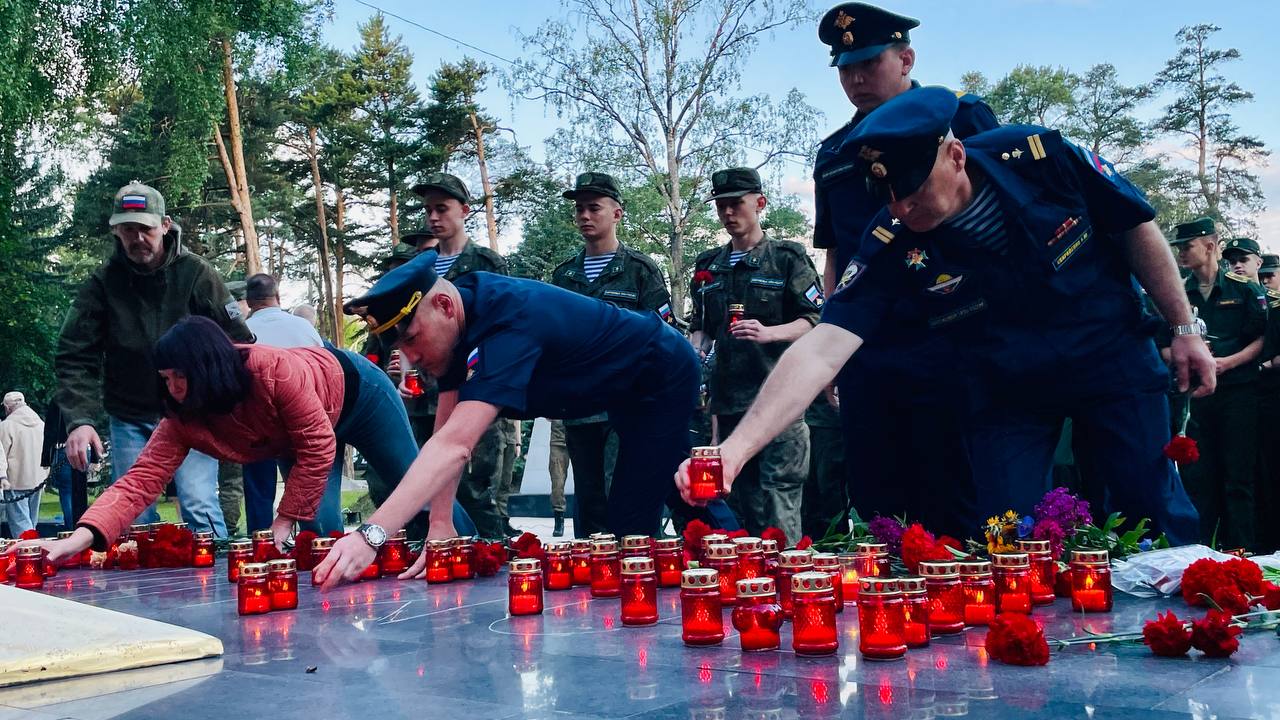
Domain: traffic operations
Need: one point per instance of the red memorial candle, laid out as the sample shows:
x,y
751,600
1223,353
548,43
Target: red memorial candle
x,y
413,383
253,597
393,556
830,564
6,559
605,569
723,558
701,613
770,550
581,558
979,592
915,608
1013,582
1044,570
238,553
881,619
790,563
750,557
282,583
874,559
946,596
637,546
524,587
372,572
758,616
814,614
639,591
849,577
439,567
1091,581
202,552
668,560
559,572
28,566
320,548
706,474
737,311
73,560
463,566
264,545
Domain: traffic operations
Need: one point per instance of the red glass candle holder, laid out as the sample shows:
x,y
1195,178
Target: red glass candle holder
x,y
320,548
7,559
668,561
881,619
737,311
559,572
393,556
790,564
701,612
264,545
979,592
202,552
706,474
875,560
713,539
814,614
413,383
723,558
72,561
758,616
372,572
849,577
1044,570
639,591
253,597
439,567
946,596
1091,581
750,556
28,565
770,550
581,559
1013,582
47,566
464,557
637,546
524,587
829,563
605,569
238,553
915,608
282,583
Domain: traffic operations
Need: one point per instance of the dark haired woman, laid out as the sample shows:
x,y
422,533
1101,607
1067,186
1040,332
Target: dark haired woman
x,y
244,403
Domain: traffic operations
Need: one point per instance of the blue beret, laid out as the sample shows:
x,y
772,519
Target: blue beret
x,y
897,144
857,31
394,297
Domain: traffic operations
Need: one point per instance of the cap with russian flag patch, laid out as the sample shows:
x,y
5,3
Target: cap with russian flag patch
x,y
138,203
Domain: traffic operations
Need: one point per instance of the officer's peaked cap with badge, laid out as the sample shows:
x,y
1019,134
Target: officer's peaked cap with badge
x,y
1242,245
394,298
596,183
1187,231
137,203
735,182
450,185
1270,264
858,31
897,145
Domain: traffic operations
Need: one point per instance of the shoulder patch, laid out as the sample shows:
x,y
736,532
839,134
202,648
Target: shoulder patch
x,y
883,234
1237,278
1273,293
233,310
1036,146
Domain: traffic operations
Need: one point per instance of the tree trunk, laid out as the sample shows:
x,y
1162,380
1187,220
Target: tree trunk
x,y
339,262
340,223
240,188
322,222
490,217
393,210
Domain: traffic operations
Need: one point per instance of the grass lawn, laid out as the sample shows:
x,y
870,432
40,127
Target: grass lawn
x,y
50,509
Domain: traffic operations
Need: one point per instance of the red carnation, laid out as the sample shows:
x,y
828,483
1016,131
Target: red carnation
x,y
1214,635
1167,636
773,533
302,550
805,543
1203,577
1271,596
373,358
736,533
702,277
919,544
29,534
1231,600
1182,450
1246,573
488,558
1016,639
693,534
527,546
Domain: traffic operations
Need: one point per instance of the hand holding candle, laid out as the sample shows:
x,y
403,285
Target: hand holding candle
x,y
350,556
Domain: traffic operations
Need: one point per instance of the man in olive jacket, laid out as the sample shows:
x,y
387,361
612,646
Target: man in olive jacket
x,y
103,361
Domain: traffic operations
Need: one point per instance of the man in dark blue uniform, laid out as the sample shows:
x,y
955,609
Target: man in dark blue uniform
x,y
524,349
1022,250
897,397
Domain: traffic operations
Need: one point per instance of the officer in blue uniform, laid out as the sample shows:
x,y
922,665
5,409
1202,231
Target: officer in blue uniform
x,y
1022,251
897,402
524,349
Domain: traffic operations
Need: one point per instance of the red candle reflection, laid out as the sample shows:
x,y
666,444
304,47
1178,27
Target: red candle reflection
x,y
758,616
701,612
524,587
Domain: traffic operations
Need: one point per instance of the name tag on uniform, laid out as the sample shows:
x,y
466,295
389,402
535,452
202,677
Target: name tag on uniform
x,y
1228,301
620,295
768,282
958,314
711,286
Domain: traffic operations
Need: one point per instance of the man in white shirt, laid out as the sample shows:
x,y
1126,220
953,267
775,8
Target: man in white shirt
x,y
272,324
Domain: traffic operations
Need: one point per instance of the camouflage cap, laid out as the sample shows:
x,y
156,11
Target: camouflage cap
x,y
594,182
1242,245
417,237
1199,227
735,182
402,253
450,185
138,203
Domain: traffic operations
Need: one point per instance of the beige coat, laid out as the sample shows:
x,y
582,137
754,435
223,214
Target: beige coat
x,y
21,437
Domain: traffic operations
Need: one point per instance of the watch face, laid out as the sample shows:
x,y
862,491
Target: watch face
x,y
374,534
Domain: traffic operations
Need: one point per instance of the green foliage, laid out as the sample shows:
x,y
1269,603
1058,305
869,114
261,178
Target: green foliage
x,y
1109,537
1036,95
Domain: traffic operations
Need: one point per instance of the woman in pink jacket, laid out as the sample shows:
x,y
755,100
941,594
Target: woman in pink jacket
x,y
244,403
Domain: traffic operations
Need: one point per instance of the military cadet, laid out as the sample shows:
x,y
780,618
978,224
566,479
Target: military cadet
x,y
1269,272
526,349
558,469
608,270
1041,241
1267,531
753,297
899,408
1225,424
509,483
447,204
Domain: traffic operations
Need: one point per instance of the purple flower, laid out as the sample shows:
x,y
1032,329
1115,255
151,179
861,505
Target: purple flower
x,y
1051,531
888,531
1064,509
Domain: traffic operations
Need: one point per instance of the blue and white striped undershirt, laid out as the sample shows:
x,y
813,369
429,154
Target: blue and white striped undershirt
x,y
593,265
736,255
982,223
444,262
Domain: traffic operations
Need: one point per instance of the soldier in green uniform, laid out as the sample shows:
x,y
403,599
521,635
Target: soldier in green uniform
x,y
1268,475
780,295
447,203
1224,424
558,469
608,270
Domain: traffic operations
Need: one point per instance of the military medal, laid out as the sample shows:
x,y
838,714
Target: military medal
x,y
916,258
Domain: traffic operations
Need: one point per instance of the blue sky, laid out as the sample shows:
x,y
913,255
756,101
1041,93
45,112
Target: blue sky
x,y
1137,36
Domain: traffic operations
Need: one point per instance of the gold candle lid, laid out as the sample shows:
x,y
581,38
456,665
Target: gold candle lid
x,y
974,567
667,544
143,528
769,546
938,569
1091,556
637,565
179,525
747,545
738,307
240,545
825,560
282,565
602,536
705,451
911,585
525,565
30,551
263,535
204,535
700,578
873,548
714,538
322,543
635,542
581,545
1011,560
811,582
558,548
1033,546
253,570
721,551
400,535
603,547
757,587
63,534
878,586
440,545
795,558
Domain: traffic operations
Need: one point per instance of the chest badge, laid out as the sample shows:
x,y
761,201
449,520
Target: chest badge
x,y
472,361
945,284
916,258
1063,229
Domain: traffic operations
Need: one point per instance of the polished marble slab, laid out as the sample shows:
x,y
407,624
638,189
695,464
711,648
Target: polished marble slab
x,y
390,649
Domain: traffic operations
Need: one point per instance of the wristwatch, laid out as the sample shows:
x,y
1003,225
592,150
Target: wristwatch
x,y
1195,327
374,535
